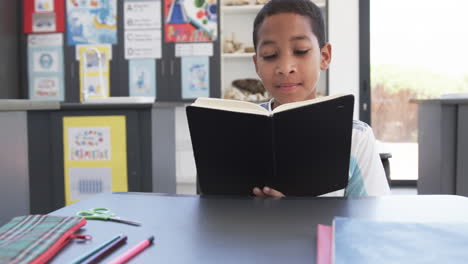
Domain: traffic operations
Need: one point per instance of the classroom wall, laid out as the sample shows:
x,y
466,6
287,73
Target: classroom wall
x,y
9,48
343,22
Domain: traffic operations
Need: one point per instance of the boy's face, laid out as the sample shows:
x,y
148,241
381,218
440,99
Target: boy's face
x,y
288,58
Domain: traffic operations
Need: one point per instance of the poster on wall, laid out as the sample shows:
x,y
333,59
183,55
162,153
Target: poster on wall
x,y
44,5
91,22
94,70
190,21
95,156
45,67
89,143
142,44
142,79
43,16
140,15
195,77
44,22
142,24
86,182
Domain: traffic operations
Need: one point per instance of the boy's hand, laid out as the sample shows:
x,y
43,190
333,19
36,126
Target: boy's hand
x,y
267,192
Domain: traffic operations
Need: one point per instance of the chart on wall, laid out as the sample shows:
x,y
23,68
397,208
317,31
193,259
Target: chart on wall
x,y
45,67
91,22
94,70
142,77
95,156
190,20
142,25
195,77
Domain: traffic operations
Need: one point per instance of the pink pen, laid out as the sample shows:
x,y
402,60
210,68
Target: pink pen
x,y
133,251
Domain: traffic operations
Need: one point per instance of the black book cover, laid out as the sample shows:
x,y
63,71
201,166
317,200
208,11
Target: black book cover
x,y
304,151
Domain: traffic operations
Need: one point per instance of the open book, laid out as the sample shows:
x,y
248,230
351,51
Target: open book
x,y
301,148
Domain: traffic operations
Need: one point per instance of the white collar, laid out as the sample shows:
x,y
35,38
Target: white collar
x,y
270,103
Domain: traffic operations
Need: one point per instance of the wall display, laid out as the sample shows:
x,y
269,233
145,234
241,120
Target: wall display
x,y
43,5
44,22
142,14
94,71
45,67
193,49
190,21
95,156
195,77
142,79
142,23
142,44
43,16
91,22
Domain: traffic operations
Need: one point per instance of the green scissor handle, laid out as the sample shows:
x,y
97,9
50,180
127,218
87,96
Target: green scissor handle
x,y
96,213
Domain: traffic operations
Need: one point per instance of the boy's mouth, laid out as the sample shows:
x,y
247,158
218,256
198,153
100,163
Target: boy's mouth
x,y
288,86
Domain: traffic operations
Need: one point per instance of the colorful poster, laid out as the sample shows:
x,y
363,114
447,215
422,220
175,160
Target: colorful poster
x,y
90,143
190,21
142,79
45,67
43,16
94,71
95,156
195,77
91,22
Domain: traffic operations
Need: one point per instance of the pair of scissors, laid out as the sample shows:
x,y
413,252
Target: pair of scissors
x,y
104,214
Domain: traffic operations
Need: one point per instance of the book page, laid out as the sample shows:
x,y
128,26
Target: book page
x,y
285,107
231,105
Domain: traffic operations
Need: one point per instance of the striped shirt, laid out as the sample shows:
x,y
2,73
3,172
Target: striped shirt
x,y
366,172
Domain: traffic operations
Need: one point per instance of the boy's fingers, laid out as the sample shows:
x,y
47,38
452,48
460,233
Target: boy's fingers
x,y
257,192
272,192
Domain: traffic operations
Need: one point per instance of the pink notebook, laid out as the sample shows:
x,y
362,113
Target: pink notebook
x,y
324,243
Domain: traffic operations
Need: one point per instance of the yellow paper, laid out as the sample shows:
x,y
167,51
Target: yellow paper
x,y
95,156
94,75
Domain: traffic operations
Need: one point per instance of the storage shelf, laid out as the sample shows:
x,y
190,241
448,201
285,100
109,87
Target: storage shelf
x,y
239,9
237,55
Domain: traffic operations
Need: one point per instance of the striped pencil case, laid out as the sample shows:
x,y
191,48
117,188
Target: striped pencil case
x,y
37,238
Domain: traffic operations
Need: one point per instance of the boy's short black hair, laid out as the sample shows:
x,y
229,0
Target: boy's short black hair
x,y
304,8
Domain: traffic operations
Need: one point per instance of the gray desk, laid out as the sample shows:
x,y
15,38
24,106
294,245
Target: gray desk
x,y
192,229
443,146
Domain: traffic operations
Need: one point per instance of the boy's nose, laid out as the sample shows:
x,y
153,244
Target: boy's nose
x,y
286,67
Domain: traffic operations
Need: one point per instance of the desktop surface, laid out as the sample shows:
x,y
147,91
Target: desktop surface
x,y
218,229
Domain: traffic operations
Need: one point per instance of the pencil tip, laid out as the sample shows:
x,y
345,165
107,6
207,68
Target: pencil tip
x,y
151,239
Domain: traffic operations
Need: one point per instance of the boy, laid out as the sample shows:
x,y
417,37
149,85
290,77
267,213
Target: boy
x,y
290,52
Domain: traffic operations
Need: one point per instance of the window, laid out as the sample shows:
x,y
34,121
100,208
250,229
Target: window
x,y
419,50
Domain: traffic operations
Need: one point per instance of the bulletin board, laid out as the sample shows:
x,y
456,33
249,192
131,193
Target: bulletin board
x,y
95,156
140,61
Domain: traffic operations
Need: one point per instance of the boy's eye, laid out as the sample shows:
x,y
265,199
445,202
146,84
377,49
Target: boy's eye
x,y
301,52
269,57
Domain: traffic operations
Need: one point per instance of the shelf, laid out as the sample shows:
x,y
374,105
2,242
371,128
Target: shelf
x,y
237,55
239,9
